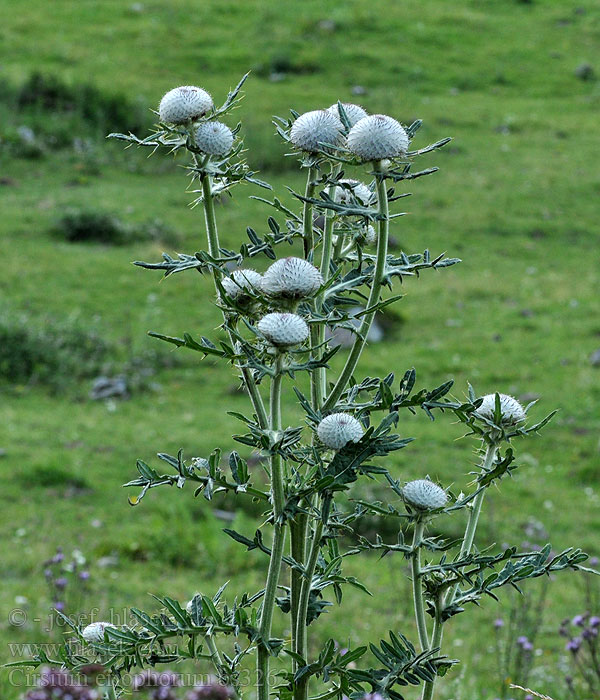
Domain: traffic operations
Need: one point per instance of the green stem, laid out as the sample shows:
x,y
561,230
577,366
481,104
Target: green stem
x,y
325,262
415,562
465,550
301,689
278,498
436,643
214,653
213,249
298,552
367,320
307,213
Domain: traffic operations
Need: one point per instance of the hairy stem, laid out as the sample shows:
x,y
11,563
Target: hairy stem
x,y
301,689
415,562
367,319
325,262
214,653
278,498
465,550
213,249
298,552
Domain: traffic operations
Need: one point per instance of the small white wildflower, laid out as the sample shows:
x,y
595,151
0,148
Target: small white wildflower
x,y
314,128
182,104
424,494
293,278
377,137
354,113
338,429
283,330
95,631
214,138
240,282
369,234
359,190
512,411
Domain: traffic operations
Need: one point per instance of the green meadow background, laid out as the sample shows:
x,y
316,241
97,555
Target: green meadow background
x,y
516,198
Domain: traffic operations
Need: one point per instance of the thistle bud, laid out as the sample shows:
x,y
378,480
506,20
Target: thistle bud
x,y
214,138
354,113
183,104
283,330
359,190
423,494
369,235
314,128
95,631
376,137
291,278
511,409
240,282
338,429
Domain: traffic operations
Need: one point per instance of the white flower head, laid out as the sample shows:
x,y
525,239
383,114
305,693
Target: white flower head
x,y
359,190
424,495
283,330
353,112
512,411
182,104
95,631
369,235
214,138
338,429
377,137
314,128
292,278
240,282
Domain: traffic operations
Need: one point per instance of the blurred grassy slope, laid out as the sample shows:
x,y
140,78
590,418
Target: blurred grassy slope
x,y
515,198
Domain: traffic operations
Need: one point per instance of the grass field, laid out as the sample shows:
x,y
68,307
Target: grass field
x,y
515,198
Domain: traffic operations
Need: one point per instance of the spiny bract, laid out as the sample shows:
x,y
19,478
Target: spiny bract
x,y
95,631
512,411
283,330
338,429
214,138
353,112
424,494
240,282
183,104
314,128
359,190
292,278
377,136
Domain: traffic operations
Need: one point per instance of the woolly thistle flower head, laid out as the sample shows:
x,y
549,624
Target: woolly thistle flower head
x,y
240,282
423,494
183,104
214,138
283,330
95,631
353,112
338,429
368,235
511,409
377,136
359,190
314,128
292,278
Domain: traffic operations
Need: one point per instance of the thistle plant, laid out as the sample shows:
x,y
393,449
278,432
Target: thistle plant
x,y
273,334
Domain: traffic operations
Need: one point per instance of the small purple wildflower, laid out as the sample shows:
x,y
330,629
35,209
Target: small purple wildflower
x,y
578,621
84,575
498,623
522,640
573,645
594,561
590,633
61,582
59,605
594,621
